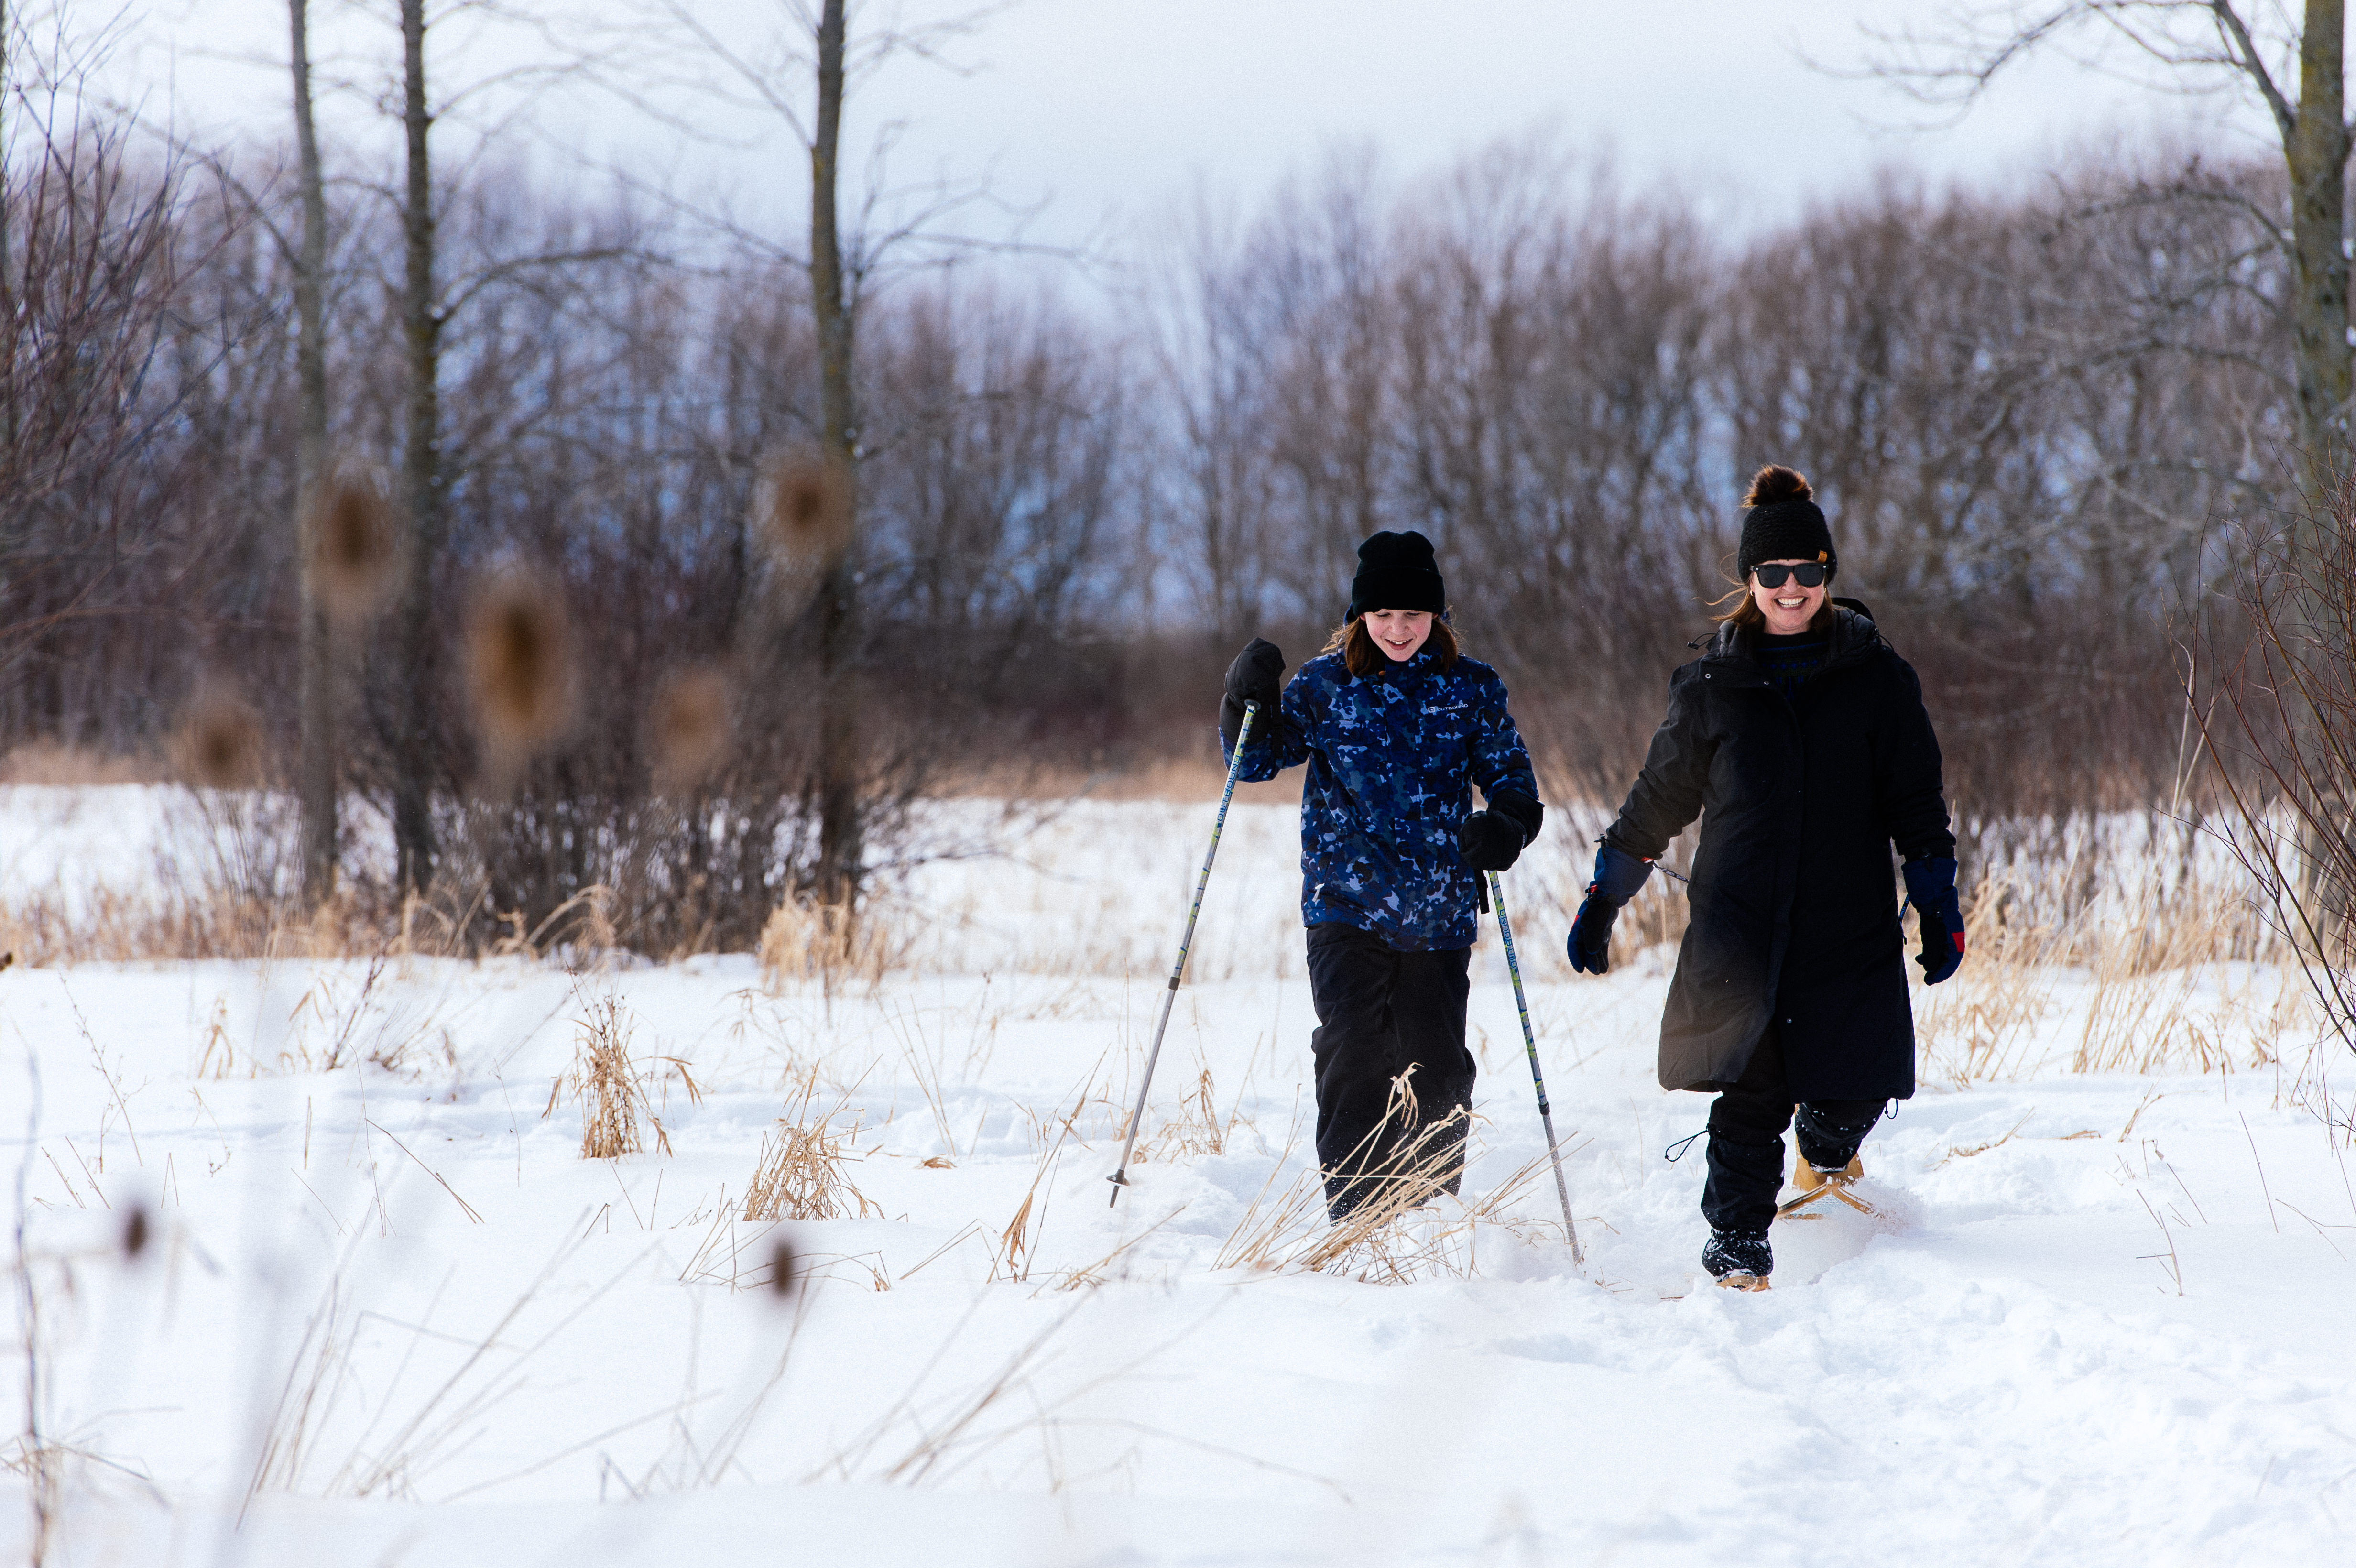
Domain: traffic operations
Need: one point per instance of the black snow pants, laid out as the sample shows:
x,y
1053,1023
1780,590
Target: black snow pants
x,y
1380,1011
1746,1140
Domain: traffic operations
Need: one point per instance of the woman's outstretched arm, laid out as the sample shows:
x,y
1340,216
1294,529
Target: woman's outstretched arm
x,y
1667,794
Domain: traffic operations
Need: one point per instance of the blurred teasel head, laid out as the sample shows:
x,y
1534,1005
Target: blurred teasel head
x,y
688,731
354,546
134,1230
219,744
519,669
801,509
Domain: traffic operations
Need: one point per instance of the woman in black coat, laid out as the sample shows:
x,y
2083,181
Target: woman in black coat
x,y
1800,740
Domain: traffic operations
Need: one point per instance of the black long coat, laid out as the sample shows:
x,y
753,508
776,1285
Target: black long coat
x,y
1794,907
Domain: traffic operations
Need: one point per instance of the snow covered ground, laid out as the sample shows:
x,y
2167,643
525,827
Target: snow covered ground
x,y
383,1312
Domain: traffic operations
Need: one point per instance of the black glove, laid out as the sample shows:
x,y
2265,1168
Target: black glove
x,y
1618,875
1257,676
1489,842
1492,840
1931,889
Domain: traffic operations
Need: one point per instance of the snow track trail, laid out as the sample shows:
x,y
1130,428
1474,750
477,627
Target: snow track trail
x,y
386,1314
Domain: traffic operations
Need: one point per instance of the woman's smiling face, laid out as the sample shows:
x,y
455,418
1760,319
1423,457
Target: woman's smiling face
x,y
1788,606
1398,633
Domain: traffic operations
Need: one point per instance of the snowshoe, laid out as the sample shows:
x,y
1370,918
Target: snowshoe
x,y
1738,1260
1815,1183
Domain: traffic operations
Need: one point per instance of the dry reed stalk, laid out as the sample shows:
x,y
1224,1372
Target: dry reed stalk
x,y
609,1087
1198,1130
107,927
217,1044
799,1172
582,922
1057,1124
1654,917
48,761
1015,1240
356,547
809,942
521,676
392,1451
1404,1233
1989,1010
315,1374
2131,1017
1384,1239
2146,941
939,1432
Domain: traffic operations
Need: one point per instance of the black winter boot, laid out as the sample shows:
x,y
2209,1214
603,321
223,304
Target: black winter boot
x,y
1739,1260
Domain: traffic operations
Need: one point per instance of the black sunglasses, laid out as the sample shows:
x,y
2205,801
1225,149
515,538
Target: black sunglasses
x,y
1809,575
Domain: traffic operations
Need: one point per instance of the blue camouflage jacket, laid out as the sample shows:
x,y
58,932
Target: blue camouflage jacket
x,y
1392,763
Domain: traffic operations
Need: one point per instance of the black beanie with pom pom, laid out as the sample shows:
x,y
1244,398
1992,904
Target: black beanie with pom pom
x,y
1397,571
1784,523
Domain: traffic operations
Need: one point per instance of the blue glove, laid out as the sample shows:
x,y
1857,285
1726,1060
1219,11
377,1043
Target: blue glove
x,y
1618,875
1931,889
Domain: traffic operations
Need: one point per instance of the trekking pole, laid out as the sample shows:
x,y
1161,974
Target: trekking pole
x,y
1119,1178
1530,1044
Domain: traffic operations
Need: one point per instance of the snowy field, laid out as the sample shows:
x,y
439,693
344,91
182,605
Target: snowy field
x,y
383,1312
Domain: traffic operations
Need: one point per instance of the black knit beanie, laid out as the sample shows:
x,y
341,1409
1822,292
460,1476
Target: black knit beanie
x,y
1396,572
1783,523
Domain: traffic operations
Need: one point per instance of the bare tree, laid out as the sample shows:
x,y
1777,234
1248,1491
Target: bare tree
x,y
421,473
839,858
2209,43
1217,487
842,269
315,774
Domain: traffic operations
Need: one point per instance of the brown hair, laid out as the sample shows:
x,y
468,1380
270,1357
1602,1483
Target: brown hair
x,y
1356,645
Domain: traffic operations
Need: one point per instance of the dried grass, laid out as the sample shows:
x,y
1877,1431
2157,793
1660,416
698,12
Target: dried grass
x,y
1195,1131
1405,1229
800,1174
611,1088
393,1439
54,762
2131,968
807,940
1408,1231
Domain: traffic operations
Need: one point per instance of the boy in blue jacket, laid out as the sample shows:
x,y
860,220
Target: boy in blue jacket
x,y
1396,727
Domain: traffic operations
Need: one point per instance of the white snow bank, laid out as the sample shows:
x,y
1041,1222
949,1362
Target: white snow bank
x,y
386,1313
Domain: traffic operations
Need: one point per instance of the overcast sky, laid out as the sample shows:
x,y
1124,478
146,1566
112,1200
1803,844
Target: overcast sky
x,y
1105,112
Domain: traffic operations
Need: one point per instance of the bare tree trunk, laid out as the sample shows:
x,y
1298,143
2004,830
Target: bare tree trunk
x,y
2315,147
8,426
420,479
2316,151
316,772
838,824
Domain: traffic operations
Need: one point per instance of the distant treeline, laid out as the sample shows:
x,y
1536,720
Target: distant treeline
x,y
2031,418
